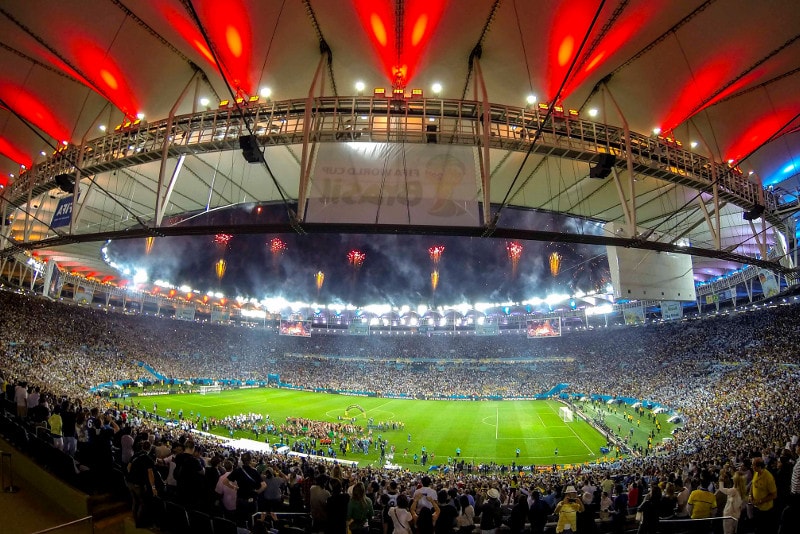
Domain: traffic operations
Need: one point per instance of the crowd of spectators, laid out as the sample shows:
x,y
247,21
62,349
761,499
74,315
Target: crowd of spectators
x,y
735,377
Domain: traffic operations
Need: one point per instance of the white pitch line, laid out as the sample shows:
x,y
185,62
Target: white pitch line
x,y
496,422
573,431
540,419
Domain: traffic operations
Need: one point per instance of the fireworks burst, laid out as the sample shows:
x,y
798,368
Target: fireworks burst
x,y
222,241
356,258
555,263
514,250
320,279
148,245
277,246
435,280
220,267
435,253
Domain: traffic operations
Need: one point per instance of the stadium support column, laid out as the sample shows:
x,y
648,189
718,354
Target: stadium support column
x,y
713,228
77,202
629,204
162,199
486,125
306,155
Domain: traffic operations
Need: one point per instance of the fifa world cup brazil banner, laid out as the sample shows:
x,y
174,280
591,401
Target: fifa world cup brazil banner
x,y
383,183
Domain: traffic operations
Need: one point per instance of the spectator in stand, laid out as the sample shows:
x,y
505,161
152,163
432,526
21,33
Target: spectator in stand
x,y
567,511
359,510
319,496
142,484
735,490
336,508
763,493
650,508
401,517
490,512
248,485
619,512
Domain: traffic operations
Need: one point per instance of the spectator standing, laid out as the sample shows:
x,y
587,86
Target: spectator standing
x,y
763,493
359,510
567,511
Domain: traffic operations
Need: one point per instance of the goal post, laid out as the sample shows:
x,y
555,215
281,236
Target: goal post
x,y
566,414
204,390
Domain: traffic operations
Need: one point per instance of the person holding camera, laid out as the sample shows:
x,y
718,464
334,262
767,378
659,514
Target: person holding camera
x,y
567,511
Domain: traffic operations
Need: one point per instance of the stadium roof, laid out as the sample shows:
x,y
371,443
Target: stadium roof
x,y
720,76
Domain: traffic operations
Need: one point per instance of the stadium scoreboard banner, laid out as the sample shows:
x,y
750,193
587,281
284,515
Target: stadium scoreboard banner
x,y
358,329
769,286
219,315
633,316
487,329
544,327
84,294
671,310
295,328
185,313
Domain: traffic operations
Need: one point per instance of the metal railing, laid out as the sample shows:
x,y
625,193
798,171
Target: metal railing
x,y
366,119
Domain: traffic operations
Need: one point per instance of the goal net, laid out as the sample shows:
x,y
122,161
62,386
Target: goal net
x,y
565,414
203,390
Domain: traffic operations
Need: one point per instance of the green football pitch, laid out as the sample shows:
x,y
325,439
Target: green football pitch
x,y
485,431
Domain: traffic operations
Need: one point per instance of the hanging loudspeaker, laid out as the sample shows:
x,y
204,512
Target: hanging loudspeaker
x,y
603,168
250,149
65,182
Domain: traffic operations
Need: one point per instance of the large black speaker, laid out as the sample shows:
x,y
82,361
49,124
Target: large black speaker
x,y
754,213
65,182
604,165
250,149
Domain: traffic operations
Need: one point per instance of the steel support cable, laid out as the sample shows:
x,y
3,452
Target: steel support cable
x,y
476,50
38,63
324,48
658,40
741,75
271,40
190,7
547,116
601,34
53,51
759,86
160,38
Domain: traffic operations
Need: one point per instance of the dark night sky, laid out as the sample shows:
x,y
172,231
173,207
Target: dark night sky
x,y
397,269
